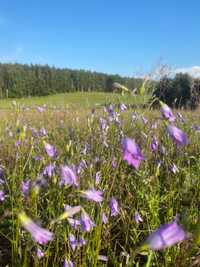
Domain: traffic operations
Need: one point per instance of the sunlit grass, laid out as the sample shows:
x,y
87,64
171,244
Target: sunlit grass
x,y
76,100
153,191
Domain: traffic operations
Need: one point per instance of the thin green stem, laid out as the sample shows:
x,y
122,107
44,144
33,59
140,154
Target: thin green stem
x,y
149,259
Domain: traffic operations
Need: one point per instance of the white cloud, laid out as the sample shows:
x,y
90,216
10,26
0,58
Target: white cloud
x,y
14,55
193,71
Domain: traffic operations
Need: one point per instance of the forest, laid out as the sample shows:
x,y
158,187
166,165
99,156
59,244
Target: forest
x,y
17,80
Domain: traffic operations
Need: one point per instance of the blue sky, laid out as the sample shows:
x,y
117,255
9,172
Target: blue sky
x,y
127,37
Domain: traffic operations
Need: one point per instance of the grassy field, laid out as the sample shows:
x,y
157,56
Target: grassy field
x,y
85,100
51,157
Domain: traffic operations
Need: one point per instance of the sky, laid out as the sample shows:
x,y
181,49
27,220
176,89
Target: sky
x,y
129,37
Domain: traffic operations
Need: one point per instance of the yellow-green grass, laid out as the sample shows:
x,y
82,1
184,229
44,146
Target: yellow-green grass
x,y
76,100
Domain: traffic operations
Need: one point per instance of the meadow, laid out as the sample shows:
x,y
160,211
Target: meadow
x,y
89,179
76,100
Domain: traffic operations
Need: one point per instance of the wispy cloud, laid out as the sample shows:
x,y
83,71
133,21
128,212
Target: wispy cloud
x,y
20,54
13,56
194,71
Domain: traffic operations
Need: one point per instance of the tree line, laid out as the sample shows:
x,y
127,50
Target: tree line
x,y
18,80
22,80
182,91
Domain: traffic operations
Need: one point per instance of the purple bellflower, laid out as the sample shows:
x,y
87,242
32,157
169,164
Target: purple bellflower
x,y
82,166
49,170
68,176
137,218
43,132
39,253
82,242
74,223
123,107
39,234
40,109
2,196
103,258
94,195
86,223
37,158
103,124
50,150
73,242
134,116
68,263
114,207
97,177
174,168
25,187
178,136
154,144
166,112
131,152
114,163
104,218
2,176
33,132
166,236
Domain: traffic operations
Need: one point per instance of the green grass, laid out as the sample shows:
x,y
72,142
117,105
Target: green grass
x,y
83,100
152,190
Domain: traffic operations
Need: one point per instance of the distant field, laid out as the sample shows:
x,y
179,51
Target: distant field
x,y
85,100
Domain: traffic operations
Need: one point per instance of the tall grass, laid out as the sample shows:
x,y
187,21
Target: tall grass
x,y
154,190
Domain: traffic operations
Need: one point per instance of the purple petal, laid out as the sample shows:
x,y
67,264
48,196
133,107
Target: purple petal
x,y
167,113
86,223
50,150
137,218
68,176
178,136
2,196
166,236
73,242
131,152
39,234
39,253
104,218
114,207
92,194
68,263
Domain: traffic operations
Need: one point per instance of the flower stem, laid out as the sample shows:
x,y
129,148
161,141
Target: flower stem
x,y
149,259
